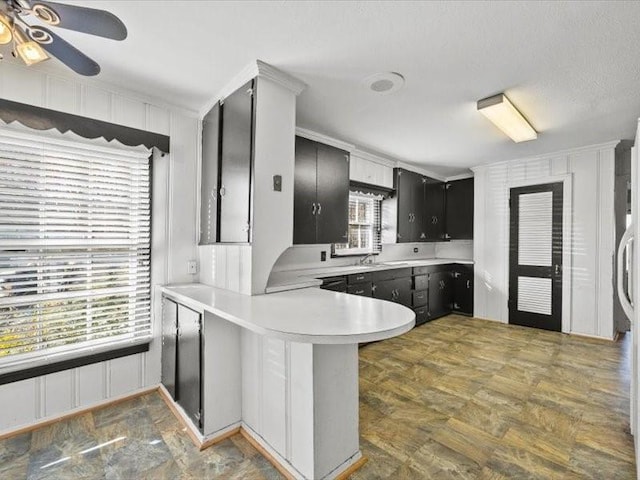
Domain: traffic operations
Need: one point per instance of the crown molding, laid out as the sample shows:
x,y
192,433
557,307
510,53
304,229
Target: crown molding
x,y
460,176
566,151
371,157
327,140
420,170
260,69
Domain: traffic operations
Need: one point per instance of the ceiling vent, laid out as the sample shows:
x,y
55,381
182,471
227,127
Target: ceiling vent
x,y
384,83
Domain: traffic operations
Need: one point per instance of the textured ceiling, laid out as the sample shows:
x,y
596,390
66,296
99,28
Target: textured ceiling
x,y
573,68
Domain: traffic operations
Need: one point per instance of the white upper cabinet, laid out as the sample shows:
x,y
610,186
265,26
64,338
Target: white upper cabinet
x,y
369,171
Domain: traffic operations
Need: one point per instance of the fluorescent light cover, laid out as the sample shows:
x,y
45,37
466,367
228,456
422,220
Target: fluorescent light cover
x,y
5,29
507,118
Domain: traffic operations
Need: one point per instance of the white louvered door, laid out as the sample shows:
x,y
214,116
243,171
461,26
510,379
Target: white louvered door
x,y
535,263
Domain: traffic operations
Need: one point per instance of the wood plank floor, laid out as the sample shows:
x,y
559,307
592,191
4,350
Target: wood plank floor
x,y
457,398
463,398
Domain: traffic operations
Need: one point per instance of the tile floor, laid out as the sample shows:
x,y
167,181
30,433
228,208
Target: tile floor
x,y
457,398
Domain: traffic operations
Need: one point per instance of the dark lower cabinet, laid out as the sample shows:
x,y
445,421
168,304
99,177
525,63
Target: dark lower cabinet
x,y
396,290
440,293
431,291
180,358
169,345
463,289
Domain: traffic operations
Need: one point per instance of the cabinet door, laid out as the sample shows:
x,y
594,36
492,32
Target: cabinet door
x,y
332,187
188,371
209,190
463,291
403,184
168,355
396,290
434,209
304,192
440,294
235,165
459,214
419,225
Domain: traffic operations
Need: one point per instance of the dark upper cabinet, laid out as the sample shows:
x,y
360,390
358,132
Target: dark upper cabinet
x,y
410,192
304,192
227,159
434,210
235,165
459,211
209,183
321,193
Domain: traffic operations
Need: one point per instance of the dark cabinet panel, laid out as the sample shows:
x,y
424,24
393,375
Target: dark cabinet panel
x,y
335,284
235,165
418,224
209,184
169,351
396,290
410,193
459,212
422,315
434,215
393,273
420,298
188,364
359,277
321,193
364,289
421,282
463,289
304,192
440,293
332,215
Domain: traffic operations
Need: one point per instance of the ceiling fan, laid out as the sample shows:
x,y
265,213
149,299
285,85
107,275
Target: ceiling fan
x,y
34,43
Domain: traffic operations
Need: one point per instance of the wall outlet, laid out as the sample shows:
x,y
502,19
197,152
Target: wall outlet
x,y
277,183
323,256
192,267
415,249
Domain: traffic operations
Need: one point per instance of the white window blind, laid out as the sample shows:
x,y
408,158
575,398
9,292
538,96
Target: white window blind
x,y
364,225
74,248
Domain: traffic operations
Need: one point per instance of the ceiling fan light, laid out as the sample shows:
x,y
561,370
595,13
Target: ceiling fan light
x,y
5,29
29,51
504,115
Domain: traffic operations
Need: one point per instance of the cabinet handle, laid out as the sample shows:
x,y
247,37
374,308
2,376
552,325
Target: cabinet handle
x,y
319,208
222,191
359,292
468,283
313,209
435,220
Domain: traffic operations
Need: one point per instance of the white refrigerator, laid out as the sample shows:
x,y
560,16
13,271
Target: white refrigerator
x,y
628,262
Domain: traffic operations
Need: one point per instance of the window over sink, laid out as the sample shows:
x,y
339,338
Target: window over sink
x,y
364,233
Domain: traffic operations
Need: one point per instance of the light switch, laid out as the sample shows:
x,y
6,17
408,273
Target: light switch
x,y
277,183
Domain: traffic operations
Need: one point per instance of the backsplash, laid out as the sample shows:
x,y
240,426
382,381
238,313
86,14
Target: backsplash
x,y
300,257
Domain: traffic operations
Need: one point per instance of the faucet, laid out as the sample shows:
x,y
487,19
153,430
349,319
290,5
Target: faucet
x,y
368,256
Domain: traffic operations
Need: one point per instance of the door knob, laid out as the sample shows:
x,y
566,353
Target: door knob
x,y
557,269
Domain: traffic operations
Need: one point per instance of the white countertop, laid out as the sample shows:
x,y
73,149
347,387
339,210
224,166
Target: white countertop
x,y
293,279
308,315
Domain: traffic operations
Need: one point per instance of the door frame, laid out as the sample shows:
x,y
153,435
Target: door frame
x,y
567,240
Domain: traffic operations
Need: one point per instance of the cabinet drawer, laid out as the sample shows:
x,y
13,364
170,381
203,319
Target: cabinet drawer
x,y
390,274
422,315
362,289
420,298
421,282
432,269
359,277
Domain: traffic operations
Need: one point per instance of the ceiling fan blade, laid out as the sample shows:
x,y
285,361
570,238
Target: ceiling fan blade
x,y
87,20
69,55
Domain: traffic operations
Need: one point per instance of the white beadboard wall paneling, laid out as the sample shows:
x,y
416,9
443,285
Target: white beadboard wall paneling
x,y
588,262
174,219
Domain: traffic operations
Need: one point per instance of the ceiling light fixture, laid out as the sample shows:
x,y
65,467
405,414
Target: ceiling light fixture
x,y
384,83
504,115
5,29
34,43
28,50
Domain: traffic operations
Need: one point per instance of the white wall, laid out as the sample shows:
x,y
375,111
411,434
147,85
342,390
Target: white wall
x,y
174,234
592,227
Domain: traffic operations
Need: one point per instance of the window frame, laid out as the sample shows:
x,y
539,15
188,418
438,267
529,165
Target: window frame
x,y
377,223
83,353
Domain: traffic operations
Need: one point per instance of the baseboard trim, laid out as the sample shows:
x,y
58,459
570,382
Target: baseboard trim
x,y
77,412
351,469
263,451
